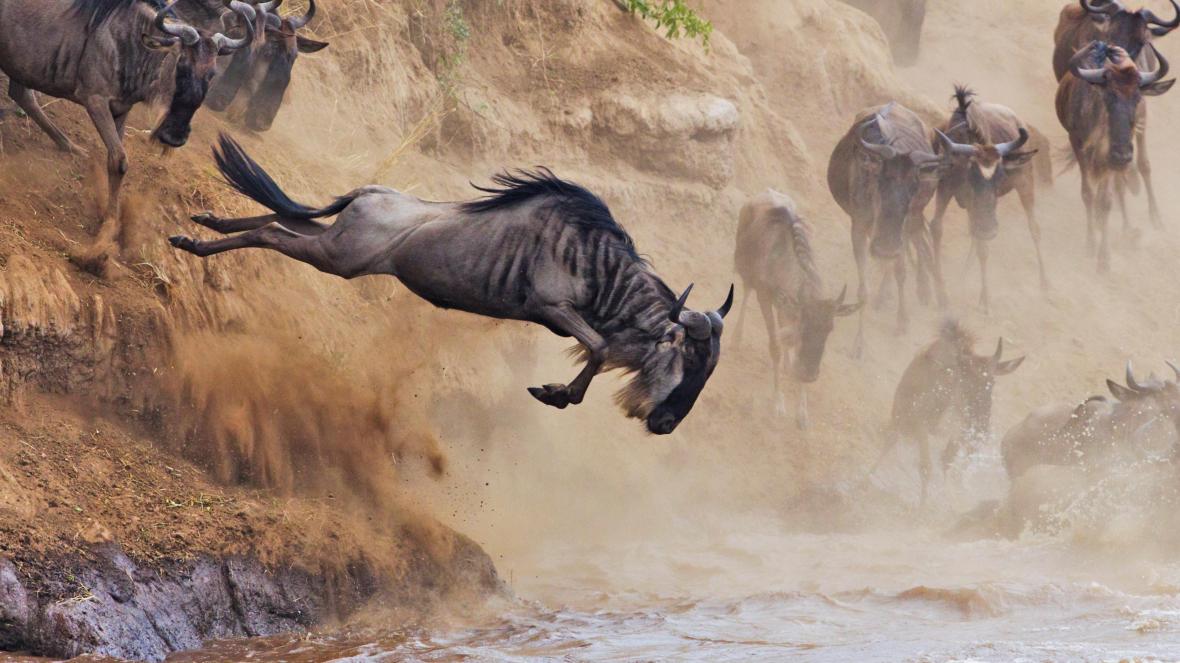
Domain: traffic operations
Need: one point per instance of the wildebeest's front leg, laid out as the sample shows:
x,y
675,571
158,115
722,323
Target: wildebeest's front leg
x,y
27,100
860,245
1027,192
941,202
903,316
565,318
982,247
777,359
1144,163
110,129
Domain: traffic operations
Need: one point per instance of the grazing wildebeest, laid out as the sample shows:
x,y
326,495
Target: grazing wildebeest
x,y
259,76
947,378
537,249
774,259
1112,23
883,174
1099,103
985,141
1144,419
901,21
107,56
1109,21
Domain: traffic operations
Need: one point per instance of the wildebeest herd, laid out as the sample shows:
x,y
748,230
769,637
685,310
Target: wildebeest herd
x,y
563,262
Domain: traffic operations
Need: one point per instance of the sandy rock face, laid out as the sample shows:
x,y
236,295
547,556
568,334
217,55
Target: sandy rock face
x,y
689,136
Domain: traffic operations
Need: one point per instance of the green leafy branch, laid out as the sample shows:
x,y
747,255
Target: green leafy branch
x,y
672,16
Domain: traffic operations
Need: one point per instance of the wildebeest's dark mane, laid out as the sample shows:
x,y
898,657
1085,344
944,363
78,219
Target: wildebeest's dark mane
x,y
97,12
575,204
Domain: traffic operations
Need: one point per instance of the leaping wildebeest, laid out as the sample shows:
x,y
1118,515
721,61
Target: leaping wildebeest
x,y
537,249
1100,105
1111,22
946,379
258,77
108,56
883,174
985,142
774,259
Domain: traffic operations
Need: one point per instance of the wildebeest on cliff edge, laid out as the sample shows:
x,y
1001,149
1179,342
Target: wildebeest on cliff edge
x,y
537,249
107,56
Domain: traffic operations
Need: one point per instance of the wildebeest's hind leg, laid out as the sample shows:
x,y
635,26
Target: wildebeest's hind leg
x,y
766,303
565,318
273,236
27,100
229,226
741,321
1027,192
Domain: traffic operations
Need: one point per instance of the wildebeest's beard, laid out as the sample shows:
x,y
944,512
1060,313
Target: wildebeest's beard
x,y
194,70
981,209
898,184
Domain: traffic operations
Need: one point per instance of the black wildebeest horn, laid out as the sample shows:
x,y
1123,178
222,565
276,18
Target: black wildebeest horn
x,y
1007,148
226,45
674,314
187,34
300,21
999,351
1151,77
1092,76
1133,383
1160,27
1111,7
724,310
957,149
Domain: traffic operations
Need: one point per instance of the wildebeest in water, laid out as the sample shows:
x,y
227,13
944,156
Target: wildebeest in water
x,y
1100,104
883,173
107,56
537,249
946,379
774,259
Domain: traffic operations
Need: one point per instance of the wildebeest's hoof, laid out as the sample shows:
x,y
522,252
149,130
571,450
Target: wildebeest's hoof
x,y
206,219
94,260
184,243
556,395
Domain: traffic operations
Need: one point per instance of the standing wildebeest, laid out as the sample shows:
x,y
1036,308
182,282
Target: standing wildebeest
x,y
947,378
883,174
259,76
1107,21
1099,102
985,141
537,249
1143,420
1111,22
773,257
107,56
901,21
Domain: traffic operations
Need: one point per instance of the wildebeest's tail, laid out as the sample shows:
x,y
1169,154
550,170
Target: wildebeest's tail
x,y
248,178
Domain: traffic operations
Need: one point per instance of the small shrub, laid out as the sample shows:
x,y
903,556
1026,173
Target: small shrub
x,y
672,16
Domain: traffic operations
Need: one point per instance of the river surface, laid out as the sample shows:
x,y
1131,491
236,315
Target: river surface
x,y
866,597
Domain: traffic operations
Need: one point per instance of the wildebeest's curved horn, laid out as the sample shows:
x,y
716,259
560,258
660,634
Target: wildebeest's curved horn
x,y
226,44
696,324
1174,370
883,151
269,7
187,34
300,21
1167,26
957,149
724,310
999,351
1150,77
1008,148
1131,381
674,314
843,294
1111,7
245,10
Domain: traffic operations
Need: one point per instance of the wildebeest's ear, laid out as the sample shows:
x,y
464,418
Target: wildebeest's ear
x,y
158,43
1006,367
1120,392
1019,158
306,45
1156,89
